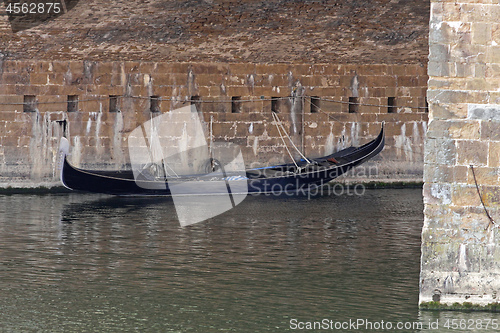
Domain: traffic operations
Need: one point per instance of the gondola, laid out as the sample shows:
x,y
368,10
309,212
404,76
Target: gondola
x,y
300,176
170,156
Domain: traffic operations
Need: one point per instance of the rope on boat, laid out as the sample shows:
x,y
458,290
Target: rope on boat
x,y
284,143
481,198
278,121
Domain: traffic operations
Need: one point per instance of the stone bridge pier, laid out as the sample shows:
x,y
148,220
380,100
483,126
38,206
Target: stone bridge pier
x,y
460,242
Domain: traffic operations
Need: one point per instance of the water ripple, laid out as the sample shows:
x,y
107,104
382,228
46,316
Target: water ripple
x,y
86,263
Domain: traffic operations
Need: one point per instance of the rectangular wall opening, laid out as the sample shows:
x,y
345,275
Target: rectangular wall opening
x,y
315,104
154,104
353,104
275,107
29,103
426,105
72,103
236,104
391,105
113,103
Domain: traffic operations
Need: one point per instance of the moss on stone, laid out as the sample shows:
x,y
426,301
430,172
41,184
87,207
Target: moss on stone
x,y
466,306
33,190
398,184
382,184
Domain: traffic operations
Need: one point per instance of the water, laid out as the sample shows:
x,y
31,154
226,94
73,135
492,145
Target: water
x,y
86,263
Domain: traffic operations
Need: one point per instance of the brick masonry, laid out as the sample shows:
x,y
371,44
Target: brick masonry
x,y
460,251
30,133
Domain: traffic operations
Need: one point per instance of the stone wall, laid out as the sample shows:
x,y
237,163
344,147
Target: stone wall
x,y
257,31
460,251
96,104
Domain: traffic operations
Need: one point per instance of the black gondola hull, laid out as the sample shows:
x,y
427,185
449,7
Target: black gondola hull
x,y
282,180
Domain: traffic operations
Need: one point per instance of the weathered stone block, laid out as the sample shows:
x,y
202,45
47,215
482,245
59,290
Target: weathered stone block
x,y
460,174
494,154
38,78
481,33
438,68
484,176
465,195
132,66
397,70
271,68
464,130
495,33
439,216
437,129
10,102
242,91
446,111
473,152
434,173
299,70
9,89
465,70
440,151
480,84
212,80
103,79
60,66
493,54
262,79
172,67
327,93
325,69
9,66
12,78
330,107
490,130
55,79
52,103
484,112
436,83
147,67
162,79
80,67
437,193
6,117
439,53
106,67
242,68
210,68
268,92
491,195
312,81
439,253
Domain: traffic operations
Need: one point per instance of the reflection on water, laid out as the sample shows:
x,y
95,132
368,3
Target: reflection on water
x,y
97,263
